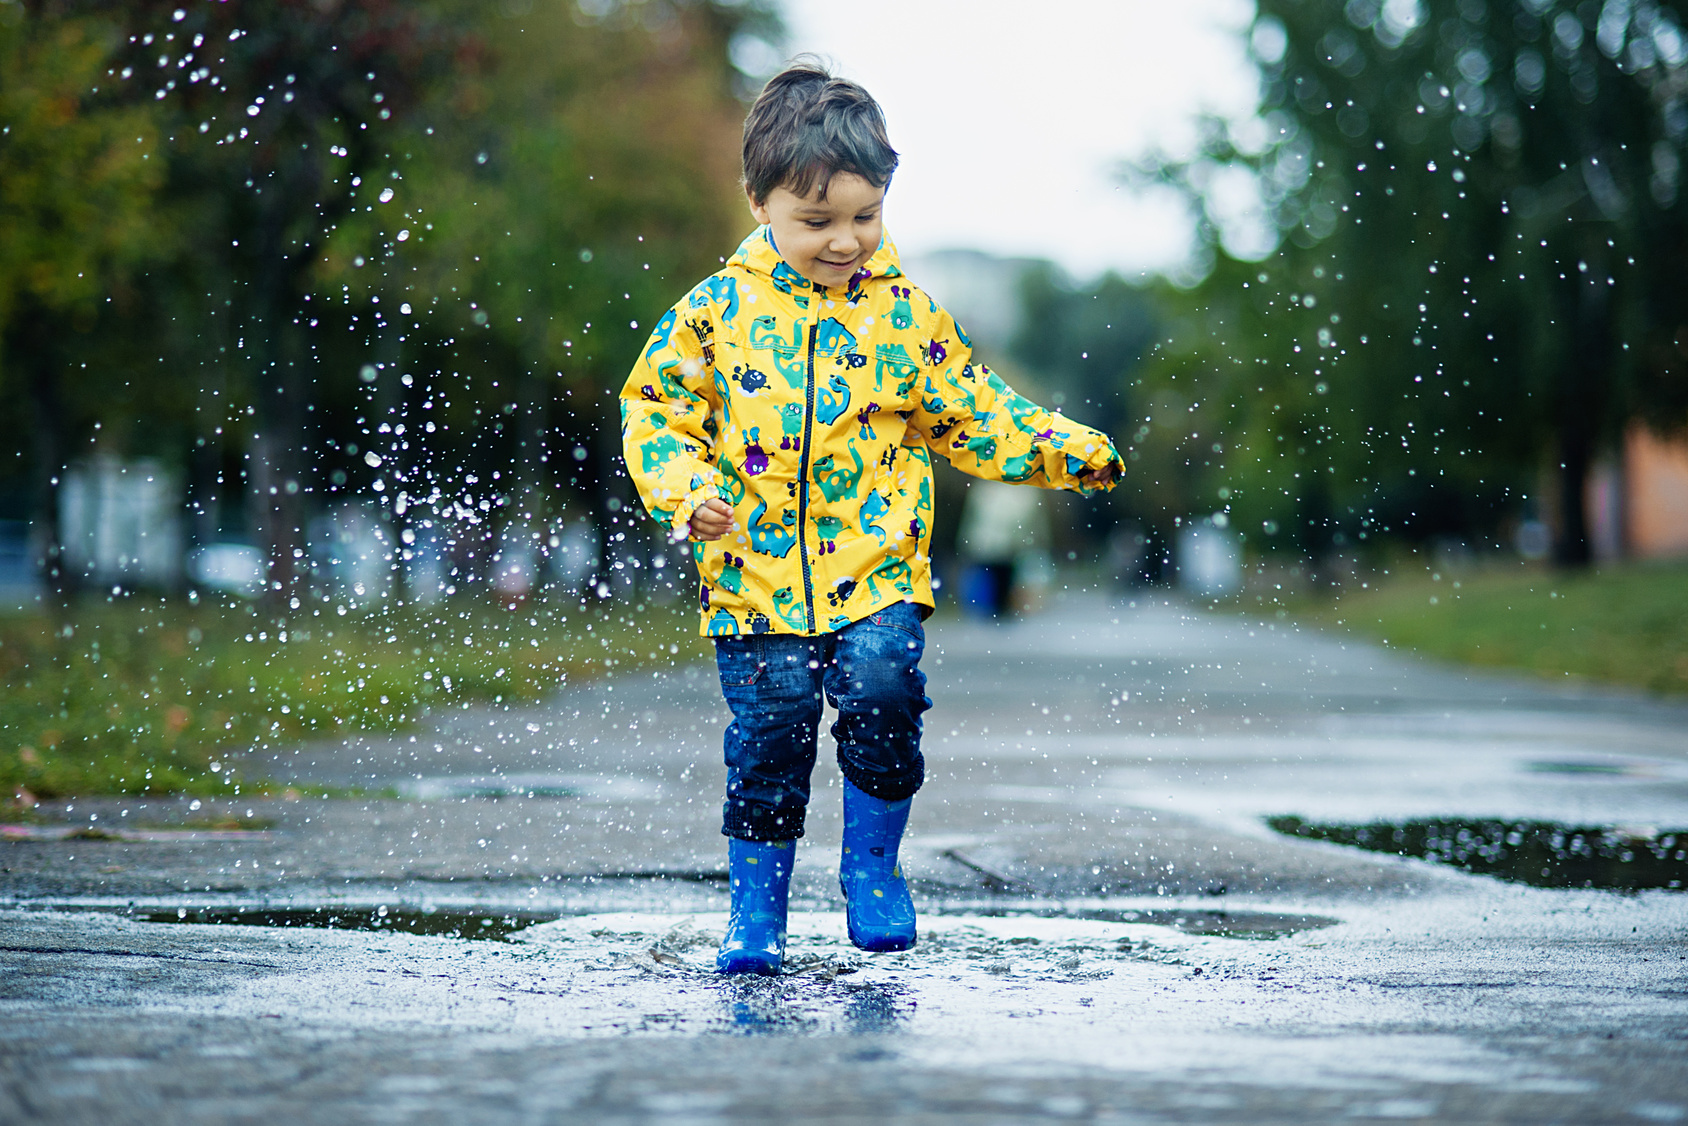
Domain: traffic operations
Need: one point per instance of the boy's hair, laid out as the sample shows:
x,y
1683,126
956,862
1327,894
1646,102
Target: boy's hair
x,y
807,127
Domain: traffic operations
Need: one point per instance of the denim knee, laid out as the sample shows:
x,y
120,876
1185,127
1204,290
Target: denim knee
x,y
772,685
875,682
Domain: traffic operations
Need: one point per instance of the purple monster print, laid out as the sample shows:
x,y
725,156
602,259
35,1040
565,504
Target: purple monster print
x,y
755,458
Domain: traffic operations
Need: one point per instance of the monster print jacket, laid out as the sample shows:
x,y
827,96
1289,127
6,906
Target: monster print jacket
x,y
814,412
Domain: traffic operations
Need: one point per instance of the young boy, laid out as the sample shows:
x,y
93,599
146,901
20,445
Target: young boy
x,y
783,418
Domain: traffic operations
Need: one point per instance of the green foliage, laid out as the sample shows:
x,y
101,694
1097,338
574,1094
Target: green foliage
x,y
1620,625
77,171
143,698
1480,277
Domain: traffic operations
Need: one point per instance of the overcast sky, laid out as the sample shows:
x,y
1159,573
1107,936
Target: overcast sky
x,y
1011,117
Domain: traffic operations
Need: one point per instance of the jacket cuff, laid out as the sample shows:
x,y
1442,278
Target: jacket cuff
x,y
1086,450
680,524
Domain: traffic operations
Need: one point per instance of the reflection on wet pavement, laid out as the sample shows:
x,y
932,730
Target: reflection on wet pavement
x,y
1541,853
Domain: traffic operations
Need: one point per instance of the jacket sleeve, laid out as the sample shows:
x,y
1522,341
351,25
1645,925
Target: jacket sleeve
x,y
986,428
668,410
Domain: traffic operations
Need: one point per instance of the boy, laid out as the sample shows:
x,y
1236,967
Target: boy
x,y
782,418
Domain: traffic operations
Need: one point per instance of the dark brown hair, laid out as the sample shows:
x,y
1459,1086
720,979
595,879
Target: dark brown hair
x,y
807,127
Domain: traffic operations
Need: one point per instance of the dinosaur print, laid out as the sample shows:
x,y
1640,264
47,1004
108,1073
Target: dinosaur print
x,y
832,400
793,615
893,360
872,511
815,412
835,481
769,538
718,289
832,338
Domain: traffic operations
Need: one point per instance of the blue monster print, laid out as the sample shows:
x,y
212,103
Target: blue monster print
x,y
750,379
832,400
723,624
841,591
718,289
831,338
759,622
837,622
769,538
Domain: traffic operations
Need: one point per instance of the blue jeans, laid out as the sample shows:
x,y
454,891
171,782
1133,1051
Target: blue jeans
x,y
775,685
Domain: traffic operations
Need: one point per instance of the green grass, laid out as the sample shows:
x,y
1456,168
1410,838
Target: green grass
x,y
1623,624
149,696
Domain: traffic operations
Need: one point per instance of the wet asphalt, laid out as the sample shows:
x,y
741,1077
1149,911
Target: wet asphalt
x,y
1111,931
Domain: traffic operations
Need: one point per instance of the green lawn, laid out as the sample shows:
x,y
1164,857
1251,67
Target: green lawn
x,y
1623,624
146,696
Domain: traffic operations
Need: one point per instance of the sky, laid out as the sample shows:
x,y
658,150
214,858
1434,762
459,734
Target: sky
x,y
1012,118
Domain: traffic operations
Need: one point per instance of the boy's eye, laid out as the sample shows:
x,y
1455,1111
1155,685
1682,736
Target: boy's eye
x,y
868,217
815,224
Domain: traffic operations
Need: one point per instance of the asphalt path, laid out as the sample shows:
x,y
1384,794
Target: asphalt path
x,y
1111,932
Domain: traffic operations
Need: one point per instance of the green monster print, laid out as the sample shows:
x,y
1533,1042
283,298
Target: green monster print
x,y
793,615
735,484
723,624
827,528
732,574
902,317
835,481
791,424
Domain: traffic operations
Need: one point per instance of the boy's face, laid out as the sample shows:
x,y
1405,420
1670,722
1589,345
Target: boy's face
x,y
826,240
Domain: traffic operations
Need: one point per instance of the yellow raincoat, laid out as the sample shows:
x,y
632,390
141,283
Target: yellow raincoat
x,y
815,412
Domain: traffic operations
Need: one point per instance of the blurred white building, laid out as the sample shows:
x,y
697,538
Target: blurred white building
x,y
120,523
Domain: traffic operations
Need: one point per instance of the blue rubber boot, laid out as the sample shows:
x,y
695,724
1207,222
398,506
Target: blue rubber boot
x,y
876,899
760,872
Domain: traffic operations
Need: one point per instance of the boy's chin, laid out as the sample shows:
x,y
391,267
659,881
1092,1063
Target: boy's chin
x,y
828,274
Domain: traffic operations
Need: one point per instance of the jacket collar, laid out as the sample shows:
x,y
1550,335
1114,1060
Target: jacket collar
x,y
758,254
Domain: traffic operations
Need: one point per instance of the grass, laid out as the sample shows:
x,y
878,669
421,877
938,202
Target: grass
x,y
149,696
1622,624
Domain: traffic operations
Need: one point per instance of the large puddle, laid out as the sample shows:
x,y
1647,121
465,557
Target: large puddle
x,y
500,926
1542,853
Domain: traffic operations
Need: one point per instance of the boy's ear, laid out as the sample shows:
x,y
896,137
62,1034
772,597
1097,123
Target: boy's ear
x,y
759,211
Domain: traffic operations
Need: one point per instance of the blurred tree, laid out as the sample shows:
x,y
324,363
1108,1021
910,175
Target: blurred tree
x,y
567,185
1482,274
278,109
78,176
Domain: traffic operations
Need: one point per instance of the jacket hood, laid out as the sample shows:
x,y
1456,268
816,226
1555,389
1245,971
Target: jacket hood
x,y
758,254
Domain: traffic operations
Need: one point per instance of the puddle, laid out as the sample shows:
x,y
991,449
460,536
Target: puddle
x,y
1540,853
485,926
1258,925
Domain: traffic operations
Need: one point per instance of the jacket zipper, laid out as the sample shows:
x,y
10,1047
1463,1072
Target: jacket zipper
x,y
803,484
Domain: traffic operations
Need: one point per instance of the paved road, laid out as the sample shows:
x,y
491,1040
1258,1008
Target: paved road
x,y
1112,933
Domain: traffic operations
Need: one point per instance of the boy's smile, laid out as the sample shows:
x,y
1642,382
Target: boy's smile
x,y
826,240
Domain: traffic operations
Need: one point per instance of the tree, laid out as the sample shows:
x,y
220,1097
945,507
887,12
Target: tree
x,y
79,172
1481,274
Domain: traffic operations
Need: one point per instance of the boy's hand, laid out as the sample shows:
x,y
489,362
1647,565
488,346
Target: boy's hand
x,y
1102,476
712,519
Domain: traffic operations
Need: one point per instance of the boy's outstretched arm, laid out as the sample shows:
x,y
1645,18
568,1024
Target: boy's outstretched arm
x,y
667,407
986,428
